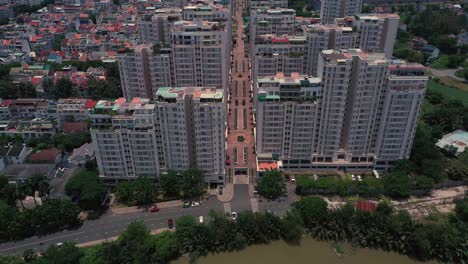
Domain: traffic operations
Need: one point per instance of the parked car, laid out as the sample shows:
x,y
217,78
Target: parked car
x,y
352,177
186,204
293,179
200,219
170,223
154,209
195,204
359,178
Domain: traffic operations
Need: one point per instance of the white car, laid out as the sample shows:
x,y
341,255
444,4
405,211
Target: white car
x,y
195,204
359,178
293,179
352,177
200,219
59,244
234,215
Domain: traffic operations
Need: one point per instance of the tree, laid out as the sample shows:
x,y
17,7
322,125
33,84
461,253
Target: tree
x,y
423,183
88,191
312,210
3,181
27,90
292,227
166,246
64,89
29,255
140,191
457,170
11,260
99,89
271,185
397,185
193,183
67,253
461,209
170,184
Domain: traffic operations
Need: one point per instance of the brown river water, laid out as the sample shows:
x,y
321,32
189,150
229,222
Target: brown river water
x,y
309,251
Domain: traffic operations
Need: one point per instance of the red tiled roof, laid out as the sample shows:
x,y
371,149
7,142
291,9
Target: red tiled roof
x,y
267,166
90,104
45,155
74,127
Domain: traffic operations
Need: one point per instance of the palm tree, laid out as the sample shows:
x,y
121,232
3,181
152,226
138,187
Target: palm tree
x,y
20,193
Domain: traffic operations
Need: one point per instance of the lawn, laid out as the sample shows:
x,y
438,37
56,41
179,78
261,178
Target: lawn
x,y
449,92
440,63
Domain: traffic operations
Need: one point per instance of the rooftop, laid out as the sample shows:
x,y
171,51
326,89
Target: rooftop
x,y
458,139
201,93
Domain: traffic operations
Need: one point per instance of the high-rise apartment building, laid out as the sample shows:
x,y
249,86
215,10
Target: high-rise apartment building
x,y
201,54
134,72
182,128
287,111
331,9
273,54
156,29
320,37
124,135
212,12
278,21
374,32
192,126
265,4
360,113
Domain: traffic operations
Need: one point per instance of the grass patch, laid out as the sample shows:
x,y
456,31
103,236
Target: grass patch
x,y
441,63
449,92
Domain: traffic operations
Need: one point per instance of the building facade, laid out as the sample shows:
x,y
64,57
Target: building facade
x,y
360,113
331,9
134,72
182,128
201,54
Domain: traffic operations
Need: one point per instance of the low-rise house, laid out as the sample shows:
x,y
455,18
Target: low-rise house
x,y
457,140
74,127
13,154
28,128
82,154
52,155
22,172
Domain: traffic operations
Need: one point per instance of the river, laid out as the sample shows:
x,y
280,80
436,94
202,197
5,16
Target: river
x,y
310,251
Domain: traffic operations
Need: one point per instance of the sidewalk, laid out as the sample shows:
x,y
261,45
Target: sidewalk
x,y
100,241
228,193
138,209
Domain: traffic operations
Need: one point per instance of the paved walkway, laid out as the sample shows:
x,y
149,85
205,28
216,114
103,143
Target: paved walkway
x,y
240,117
446,73
228,193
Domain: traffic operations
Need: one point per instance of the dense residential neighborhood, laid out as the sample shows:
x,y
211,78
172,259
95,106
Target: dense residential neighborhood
x,y
160,131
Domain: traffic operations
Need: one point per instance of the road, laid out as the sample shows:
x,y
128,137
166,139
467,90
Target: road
x,y
109,225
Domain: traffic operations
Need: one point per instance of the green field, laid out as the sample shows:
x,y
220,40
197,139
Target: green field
x,y
440,63
448,92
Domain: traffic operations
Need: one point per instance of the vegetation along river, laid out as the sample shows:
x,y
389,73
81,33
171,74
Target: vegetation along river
x,y
309,251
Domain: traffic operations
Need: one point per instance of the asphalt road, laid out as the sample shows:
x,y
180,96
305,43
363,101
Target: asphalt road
x,y
241,200
107,226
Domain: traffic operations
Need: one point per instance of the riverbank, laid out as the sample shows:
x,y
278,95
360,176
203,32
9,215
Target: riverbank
x,y
309,251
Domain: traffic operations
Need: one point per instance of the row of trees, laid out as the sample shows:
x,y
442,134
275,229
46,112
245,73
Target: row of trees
x,y
51,216
173,185
387,229
395,184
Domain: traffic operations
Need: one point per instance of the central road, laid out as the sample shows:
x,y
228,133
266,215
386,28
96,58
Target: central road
x,y
241,142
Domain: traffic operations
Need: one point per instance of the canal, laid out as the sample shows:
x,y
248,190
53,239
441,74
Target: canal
x,y
310,251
